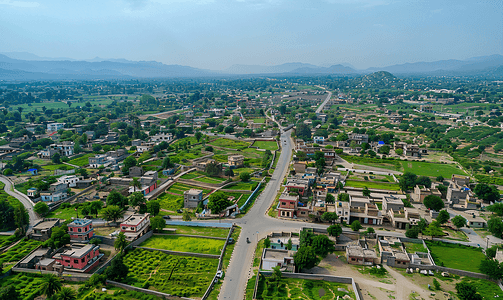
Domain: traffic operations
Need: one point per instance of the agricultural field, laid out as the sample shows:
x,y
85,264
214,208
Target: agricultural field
x,y
266,145
183,156
456,256
196,230
16,253
228,143
431,169
184,244
301,289
81,161
259,120
388,164
151,269
373,185
170,202
6,240
179,188
243,186
212,180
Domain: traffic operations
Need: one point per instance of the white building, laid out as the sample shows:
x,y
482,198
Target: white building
x,y
70,180
55,126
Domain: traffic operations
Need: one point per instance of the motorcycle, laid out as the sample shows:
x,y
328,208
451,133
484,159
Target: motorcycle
x,y
248,240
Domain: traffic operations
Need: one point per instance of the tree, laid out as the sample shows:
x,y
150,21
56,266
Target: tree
x,y
9,292
436,284
66,293
496,208
181,262
129,162
424,180
218,201
440,178
59,237
407,181
356,226
213,168
135,183
412,232
495,226
41,208
322,245
343,197
399,152
198,135
229,172
137,198
459,221
267,242
366,192
330,198
303,131
153,207
488,193
157,223
370,230
334,230
120,242
8,172
95,207
443,217
116,198
305,258
276,274
491,268
289,245
433,230
433,202
117,270
329,216
245,176
112,213
186,216
467,291
51,284
56,158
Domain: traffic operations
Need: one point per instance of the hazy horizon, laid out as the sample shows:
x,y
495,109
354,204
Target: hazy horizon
x,y
213,34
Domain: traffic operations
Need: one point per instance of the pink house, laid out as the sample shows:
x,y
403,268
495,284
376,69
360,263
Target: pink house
x,y
81,230
287,206
135,225
294,185
79,257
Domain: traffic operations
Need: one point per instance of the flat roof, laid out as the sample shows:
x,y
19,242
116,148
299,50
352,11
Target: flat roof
x,y
134,219
276,254
77,251
46,224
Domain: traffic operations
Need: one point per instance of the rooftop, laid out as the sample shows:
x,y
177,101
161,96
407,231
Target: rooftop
x,y
80,222
46,224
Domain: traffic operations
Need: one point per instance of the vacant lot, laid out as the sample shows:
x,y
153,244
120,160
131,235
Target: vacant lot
x,y
431,169
373,185
456,256
266,145
184,244
228,143
170,202
152,269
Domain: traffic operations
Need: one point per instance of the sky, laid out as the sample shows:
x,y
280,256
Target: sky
x,y
216,34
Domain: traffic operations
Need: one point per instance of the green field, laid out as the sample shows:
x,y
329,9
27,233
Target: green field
x,y
64,213
413,247
259,120
388,164
6,240
290,288
431,169
16,253
170,202
373,185
81,161
228,143
266,145
243,186
151,269
196,230
456,256
212,180
184,244
179,188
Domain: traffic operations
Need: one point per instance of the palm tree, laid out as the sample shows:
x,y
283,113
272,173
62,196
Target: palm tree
x,y
66,293
135,183
112,213
121,242
51,284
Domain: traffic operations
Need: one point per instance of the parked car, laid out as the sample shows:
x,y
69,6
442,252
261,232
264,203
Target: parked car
x,y
220,274
166,217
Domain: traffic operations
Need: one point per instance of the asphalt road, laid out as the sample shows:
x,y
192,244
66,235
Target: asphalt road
x,y
34,218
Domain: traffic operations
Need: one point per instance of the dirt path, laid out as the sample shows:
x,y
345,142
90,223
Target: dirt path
x,y
405,287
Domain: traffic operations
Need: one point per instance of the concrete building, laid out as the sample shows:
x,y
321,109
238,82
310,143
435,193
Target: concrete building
x,y
51,127
69,180
236,161
79,257
358,255
81,230
192,197
420,192
42,230
272,258
135,226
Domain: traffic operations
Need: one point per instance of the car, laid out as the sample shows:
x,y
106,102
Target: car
x,y
179,211
231,241
219,274
166,217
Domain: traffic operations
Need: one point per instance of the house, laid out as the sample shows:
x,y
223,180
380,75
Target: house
x,y
32,193
148,182
401,219
460,180
299,167
51,127
79,257
476,222
161,137
57,192
81,230
420,192
455,193
42,230
329,181
358,255
135,171
329,154
318,139
390,202
236,161
201,165
364,211
272,258
70,180
82,184
100,160
136,142
135,225
30,261
297,185
145,147
287,206
358,138
65,148
192,197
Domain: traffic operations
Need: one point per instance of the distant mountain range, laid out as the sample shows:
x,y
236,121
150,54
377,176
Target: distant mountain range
x,y
27,66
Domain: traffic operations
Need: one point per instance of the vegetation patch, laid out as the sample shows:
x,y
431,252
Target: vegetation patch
x,y
373,185
170,202
204,231
456,256
82,160
413,247
16,253
242,186
228,143
266,145
184,244
421,168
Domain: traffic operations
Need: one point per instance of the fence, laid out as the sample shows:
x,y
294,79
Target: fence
x,y
55,205
63,172
252,194
144,291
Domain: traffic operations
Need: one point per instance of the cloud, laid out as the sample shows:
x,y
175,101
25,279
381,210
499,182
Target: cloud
x,y
436,11
24,4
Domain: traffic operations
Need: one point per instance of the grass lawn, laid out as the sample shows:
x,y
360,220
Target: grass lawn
x,y
243,186
373,162
170,202
266,145
455,235
228,143
431,169
487,289
190,175
81,161
456,256
179,188
151,269
58,166
184,244
196,230
259,120
290,288
212,180
373,185
64,213
413,248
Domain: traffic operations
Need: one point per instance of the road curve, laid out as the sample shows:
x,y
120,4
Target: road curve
x,y
34,218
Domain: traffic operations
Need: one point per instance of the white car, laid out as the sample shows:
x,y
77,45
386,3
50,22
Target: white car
x,y
219,274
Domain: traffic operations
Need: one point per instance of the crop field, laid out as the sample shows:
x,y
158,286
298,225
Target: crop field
x,y
81,161
212,180
151,269
58,166
228,143
16,253
431,169
185,155
192,175
266,145
373,185
259,120
170,202
184,244
196,230
179,188
190,139
388,164
301,289
243,186
6,240
27,285
456,256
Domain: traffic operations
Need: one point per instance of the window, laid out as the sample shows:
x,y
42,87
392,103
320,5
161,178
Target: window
x,y
75,261
83,259
283,203
80,229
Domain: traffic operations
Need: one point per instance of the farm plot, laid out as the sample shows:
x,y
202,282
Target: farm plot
x,y
16,253
152,269
82,160
431,169
266,145
196,230
456,256
212,180
184,244
170,202
373,185
179,188
228,143
6,240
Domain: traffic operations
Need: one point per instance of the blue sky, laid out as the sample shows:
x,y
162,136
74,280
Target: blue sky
x,y
215,34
